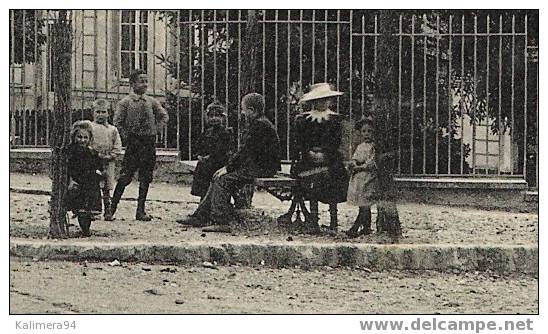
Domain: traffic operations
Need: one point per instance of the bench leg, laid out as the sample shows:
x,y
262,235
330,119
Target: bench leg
x,y
296,208
302,207
298,204
286,217
314,211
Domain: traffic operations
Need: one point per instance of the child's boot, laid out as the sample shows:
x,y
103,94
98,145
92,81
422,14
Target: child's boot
x,y
118,191
141,214
353,231
84,220
311,225
365,221
362,224
108,216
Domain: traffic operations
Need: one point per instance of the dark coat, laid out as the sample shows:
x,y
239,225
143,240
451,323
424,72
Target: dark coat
x,y
215,142
81,167
320,168
260,150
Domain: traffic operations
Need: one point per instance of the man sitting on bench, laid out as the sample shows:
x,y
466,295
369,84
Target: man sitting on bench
x,y
259,156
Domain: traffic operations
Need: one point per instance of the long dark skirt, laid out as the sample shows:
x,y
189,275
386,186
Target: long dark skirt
x,y
202,176
84,198
326,184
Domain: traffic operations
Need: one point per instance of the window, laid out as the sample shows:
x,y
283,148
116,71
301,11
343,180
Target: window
x,y
133,41
25,36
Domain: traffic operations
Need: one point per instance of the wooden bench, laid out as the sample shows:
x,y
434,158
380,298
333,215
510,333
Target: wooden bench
x,y
279,186
282,186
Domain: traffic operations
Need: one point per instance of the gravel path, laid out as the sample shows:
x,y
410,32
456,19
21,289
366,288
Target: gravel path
x,y
66,287
421,224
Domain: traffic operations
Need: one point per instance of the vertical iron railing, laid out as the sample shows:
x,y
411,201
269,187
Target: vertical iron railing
x,y
452,146
465,114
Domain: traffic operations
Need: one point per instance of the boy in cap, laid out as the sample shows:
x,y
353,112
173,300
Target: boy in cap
x,y
139,117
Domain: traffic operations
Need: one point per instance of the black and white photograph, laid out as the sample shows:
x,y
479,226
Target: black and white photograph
x,y
275,162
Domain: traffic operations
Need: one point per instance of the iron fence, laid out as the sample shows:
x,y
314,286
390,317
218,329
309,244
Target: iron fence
x,y
467,81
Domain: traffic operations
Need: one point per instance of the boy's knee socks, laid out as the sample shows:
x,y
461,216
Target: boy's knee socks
x,y
118,192
143,192
141,214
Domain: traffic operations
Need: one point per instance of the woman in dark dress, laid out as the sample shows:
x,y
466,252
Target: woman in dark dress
x,y
320,169
84,170
214,149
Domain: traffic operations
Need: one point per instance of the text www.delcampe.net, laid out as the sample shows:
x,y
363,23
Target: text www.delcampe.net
x,y
435,324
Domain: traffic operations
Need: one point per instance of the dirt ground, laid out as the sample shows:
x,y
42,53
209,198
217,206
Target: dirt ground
x,y
421,224
92,288
98,288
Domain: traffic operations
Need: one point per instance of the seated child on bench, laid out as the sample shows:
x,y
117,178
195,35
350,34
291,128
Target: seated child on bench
x,y
215,146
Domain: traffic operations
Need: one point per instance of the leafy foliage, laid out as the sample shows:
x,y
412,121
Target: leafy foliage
x,y
25,36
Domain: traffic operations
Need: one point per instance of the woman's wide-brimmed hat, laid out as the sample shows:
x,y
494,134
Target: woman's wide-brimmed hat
x,y
320,91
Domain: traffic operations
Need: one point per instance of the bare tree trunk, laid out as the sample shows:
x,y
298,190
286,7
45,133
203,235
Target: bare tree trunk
x,y
249,52
249,59
62,47
385,116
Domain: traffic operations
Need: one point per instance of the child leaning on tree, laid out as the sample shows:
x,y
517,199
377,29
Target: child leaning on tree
x,y
84,171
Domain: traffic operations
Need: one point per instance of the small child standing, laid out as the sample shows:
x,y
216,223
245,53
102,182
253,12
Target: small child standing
x,y
362,188
83,168
214,148
108,145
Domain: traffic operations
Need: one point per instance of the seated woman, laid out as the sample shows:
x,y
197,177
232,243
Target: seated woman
x,y
215,146
320,169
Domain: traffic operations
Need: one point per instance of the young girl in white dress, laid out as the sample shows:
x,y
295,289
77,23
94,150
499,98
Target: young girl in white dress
x,y
362,188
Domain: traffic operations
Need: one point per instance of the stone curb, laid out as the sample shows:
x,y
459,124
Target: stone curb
x,y
501,259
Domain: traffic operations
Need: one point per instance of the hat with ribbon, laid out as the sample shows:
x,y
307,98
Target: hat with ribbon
x,y
320,91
